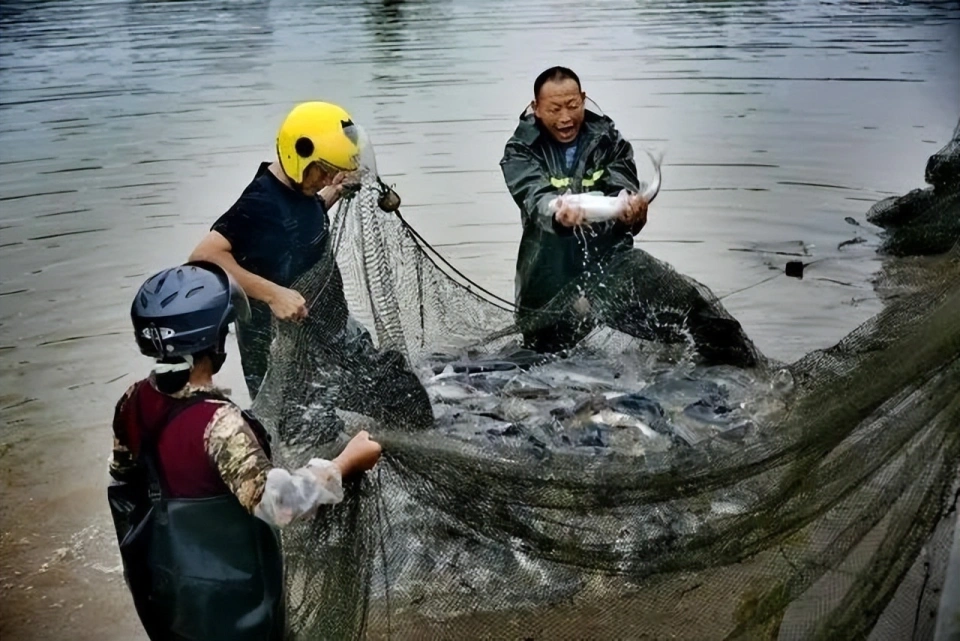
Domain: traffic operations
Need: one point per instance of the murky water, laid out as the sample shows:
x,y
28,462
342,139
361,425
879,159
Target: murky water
x,y
127,127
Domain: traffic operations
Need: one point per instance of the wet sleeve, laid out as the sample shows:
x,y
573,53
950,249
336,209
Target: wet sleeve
x,y
528,181
621,173
122,462
270,493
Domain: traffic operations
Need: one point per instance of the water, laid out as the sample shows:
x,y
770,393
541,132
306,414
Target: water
x,y
127,127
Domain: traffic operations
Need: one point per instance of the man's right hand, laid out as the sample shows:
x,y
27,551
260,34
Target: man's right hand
x,y
360,454
287,304
569,215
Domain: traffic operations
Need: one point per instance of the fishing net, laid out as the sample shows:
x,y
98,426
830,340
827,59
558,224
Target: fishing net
x,y
633,486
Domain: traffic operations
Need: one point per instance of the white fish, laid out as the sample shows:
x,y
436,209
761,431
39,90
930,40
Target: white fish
x,y
446,373
596,207
576,379
600,208
726,508
453,392
619,419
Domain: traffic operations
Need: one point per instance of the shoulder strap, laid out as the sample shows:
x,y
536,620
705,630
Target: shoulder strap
x,y
148,441
258,429
263,436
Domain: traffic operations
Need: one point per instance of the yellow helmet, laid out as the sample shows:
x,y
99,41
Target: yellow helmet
x,y
317,132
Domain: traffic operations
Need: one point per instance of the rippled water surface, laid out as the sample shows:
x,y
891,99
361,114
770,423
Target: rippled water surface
x,y
127,127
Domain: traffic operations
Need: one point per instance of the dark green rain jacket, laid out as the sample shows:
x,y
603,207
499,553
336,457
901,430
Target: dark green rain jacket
x,y
551,255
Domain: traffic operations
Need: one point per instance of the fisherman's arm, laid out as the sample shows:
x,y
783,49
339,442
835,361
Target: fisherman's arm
x,y
284,303
529,183
274,494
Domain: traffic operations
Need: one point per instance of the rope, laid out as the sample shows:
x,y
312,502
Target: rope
x,y
490,297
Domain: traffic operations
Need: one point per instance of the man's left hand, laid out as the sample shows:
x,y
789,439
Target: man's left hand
x,y
332,192
636,212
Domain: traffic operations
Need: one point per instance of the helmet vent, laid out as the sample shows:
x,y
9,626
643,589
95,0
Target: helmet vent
x,y
304,147
193,291
169,299
349,130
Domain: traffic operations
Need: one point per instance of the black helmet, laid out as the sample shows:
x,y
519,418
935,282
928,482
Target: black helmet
x,y
184,310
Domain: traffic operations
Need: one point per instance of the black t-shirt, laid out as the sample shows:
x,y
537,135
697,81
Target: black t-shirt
x,y
275,232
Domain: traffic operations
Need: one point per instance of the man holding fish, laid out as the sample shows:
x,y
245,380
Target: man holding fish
x,y
575,181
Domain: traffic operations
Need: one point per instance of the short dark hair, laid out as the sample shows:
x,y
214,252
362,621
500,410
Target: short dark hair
x,y
554,74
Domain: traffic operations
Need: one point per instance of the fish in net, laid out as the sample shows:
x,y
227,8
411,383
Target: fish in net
x,y
625,489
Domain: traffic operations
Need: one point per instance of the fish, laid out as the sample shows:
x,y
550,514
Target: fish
x,y
453,392
711,409
527,387
629,422
591,404
726,508
596,207
614,418
600,208
577,378
474,367
647,416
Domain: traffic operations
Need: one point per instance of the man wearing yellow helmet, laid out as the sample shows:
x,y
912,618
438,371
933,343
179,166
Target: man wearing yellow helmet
x,y
278,228
277,231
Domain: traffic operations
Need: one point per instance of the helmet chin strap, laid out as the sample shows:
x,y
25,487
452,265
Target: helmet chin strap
x,y
218,360
167,368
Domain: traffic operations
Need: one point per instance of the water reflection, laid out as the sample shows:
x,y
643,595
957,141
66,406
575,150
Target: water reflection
x,y
218,37
386,21
778,119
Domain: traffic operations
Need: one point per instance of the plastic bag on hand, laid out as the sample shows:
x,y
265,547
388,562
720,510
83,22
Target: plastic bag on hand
x,y
290,496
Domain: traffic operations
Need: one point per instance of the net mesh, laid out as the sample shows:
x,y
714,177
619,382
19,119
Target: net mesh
x,y
626,488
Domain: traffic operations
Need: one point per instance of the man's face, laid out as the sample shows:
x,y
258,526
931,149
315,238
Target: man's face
x,y
560,107
315,179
